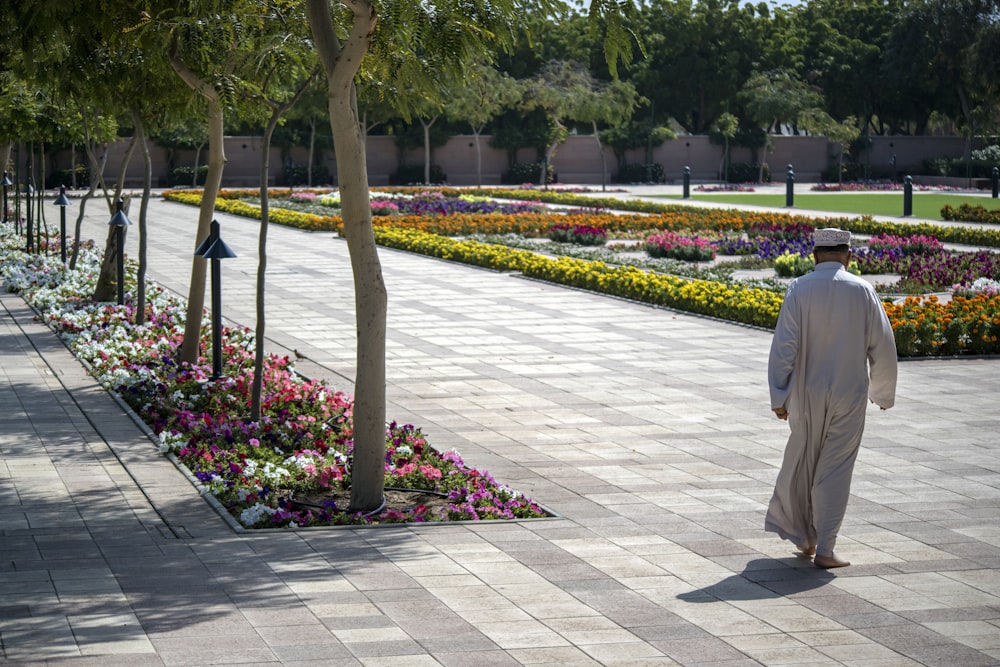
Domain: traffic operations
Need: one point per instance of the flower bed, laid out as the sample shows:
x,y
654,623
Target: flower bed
x,y
577,234
749,305
680,246
927,327
877,186
302,445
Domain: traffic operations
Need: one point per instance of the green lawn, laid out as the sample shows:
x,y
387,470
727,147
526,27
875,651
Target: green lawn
x,y
925,204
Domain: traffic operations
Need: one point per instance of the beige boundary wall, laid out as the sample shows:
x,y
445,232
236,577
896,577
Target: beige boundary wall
x,y
576,161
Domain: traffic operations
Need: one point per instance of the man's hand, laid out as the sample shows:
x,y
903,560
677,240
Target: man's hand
x,y
781,413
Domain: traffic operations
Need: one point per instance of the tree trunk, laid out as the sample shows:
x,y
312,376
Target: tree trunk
x,y
256,388
147,187
5,151
257,385
479,157
43,223
341,63
213,182
197,160
427,149
107,280
95,170
312,150
600,151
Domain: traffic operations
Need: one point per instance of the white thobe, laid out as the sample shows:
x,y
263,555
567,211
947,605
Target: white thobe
x,y
832,351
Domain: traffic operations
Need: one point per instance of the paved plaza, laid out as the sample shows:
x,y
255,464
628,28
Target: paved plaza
x,y
647,431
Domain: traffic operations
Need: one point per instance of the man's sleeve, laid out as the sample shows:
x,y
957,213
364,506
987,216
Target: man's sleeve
x,y
784,350
881,359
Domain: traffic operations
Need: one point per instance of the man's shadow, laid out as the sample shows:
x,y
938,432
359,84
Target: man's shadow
x,y
763,579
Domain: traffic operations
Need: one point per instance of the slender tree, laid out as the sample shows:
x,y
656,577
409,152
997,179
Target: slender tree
x,y
455,35
775,98
286,70
484,93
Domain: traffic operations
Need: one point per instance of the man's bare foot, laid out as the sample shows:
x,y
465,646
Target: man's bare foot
x,y
805,551
831,561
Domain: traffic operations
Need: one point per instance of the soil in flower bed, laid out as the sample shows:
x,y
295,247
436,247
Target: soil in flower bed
x,y
403,501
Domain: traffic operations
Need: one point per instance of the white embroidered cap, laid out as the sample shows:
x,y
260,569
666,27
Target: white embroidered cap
x,y
831,236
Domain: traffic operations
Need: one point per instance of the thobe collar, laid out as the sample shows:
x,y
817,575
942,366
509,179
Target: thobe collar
x,y
832,265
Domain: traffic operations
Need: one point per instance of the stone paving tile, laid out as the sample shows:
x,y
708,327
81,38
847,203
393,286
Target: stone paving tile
x,y
654,447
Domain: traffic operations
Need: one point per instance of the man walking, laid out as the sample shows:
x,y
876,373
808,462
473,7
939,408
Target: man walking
x,y
833,350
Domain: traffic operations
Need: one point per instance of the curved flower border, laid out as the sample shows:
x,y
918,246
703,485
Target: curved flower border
x,y
303,443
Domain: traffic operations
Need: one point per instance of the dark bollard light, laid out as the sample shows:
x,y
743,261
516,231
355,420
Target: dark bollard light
x,y
120,221
789,187
907,196
995,178
62,201
216,250
687,182
28,192
6,183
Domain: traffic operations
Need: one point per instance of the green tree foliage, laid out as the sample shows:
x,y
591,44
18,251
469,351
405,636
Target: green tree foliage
x,y
775,98
479,99
698,55
567,92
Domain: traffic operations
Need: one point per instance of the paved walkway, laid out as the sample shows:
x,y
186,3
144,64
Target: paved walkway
x,y
646,430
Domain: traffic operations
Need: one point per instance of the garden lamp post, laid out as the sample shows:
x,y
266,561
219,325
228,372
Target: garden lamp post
x,y
120,221
215,249
28,192
789,186
687,183
907,196
62,201
6,183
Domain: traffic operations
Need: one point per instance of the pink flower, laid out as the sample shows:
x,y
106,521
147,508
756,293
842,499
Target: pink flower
x,y
430,472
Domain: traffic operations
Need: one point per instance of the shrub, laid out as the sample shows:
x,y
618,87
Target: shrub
x,y
958,167
747,172
185,175
968,213
793,265
679,246
641,173
409,174
988,154
527,172
65,177
578,234
298,174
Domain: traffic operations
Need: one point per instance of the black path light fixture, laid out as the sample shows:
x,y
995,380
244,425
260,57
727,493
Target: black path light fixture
x,y
789,186
907,196
6,183
62,201
28,193
215,249
120,222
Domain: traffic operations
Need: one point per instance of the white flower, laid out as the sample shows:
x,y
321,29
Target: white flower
x,y
252,515
170,442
